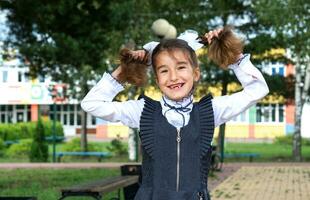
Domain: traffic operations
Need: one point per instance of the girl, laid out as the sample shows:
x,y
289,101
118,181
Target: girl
x,y
176,133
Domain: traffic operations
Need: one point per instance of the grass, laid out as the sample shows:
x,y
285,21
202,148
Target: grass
x,y
45,184
102,146
268,152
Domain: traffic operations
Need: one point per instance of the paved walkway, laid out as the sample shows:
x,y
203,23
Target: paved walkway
x,y
266,182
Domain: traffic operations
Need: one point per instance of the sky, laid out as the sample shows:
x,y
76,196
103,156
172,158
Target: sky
x,y
3,28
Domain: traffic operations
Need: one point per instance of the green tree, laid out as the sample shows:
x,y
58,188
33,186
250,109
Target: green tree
x,y
293,27
70,40
39,148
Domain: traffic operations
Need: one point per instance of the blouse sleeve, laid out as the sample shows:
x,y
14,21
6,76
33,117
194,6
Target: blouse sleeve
x,y
254,88
99,103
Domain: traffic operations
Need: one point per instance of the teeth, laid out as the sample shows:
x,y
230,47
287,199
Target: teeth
x,y
175,86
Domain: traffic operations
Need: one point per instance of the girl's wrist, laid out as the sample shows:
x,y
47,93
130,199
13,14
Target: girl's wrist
x,y
240,56
115,74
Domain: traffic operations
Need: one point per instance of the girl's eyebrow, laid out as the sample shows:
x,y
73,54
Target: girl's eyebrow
x,y
182,62
161,66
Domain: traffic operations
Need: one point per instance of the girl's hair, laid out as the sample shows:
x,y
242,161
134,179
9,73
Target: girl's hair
x,y
225,48
134,71
170,45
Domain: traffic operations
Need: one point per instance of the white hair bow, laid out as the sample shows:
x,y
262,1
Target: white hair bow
x,y
190,36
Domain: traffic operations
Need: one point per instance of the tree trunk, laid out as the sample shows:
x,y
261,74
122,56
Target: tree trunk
x,y
305,92
298,109
84,123
132,140
221,136
84,131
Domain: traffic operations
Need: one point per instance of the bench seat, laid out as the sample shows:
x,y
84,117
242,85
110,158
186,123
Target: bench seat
x,y
97,189
100,155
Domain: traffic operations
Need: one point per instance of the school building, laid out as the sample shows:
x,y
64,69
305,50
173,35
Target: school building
x,y
23,99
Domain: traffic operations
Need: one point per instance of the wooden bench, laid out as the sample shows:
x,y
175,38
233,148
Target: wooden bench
x,y
98,188
242,155
100,155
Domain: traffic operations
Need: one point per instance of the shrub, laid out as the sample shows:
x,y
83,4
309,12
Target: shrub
x,y
2,147
288,140
284,140
26,130
39,148
75,146
117,147
20,149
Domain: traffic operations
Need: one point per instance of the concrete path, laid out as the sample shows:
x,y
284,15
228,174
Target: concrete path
x,y
266,182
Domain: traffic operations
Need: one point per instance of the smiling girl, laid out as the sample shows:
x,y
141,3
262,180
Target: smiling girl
x,y
175,132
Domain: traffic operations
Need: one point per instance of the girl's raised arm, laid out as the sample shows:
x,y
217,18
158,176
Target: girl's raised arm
x,y
226,50
99,100
254,88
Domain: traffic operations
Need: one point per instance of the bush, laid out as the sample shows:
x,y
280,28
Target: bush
x,y
26,130
288,140
284,140
20,149
2,147
39,148
117,147
75,146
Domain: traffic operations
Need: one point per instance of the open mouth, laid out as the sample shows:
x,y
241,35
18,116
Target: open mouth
x,y
176,86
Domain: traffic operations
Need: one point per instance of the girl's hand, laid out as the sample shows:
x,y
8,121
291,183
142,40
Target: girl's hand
x,y
212,34
138,54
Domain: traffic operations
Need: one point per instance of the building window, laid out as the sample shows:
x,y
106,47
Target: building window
x,y
273,71
20,76
21,113
278,69
70,115
281,71
41,78
13,114
281,113
269,113
5,76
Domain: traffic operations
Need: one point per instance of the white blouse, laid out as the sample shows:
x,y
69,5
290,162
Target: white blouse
x,y
98,102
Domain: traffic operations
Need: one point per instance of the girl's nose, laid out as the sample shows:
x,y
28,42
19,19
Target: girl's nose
x,y
173,75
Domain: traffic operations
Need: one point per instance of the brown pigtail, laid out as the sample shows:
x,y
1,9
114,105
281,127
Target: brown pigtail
x,y
134,71
225,49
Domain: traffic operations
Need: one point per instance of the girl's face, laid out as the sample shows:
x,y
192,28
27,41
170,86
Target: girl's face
x,y
175,75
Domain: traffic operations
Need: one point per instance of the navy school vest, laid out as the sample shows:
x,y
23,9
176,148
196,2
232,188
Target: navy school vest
x,y
175,164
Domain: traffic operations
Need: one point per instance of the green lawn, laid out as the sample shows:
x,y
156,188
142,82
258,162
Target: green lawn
x,y
268,152
45,184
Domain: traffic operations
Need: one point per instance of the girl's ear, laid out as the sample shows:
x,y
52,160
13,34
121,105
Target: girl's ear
x,y
196,74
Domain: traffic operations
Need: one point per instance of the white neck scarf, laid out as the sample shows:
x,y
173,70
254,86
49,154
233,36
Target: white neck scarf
x,y
177,113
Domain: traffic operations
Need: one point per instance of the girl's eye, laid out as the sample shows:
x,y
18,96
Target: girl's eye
x,y
163,71
182,67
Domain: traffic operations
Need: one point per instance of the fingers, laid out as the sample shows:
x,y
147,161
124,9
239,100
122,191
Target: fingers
x,y
212,34
138,55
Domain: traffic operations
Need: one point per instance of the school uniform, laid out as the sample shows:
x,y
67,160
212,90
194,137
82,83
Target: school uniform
x,y
175,136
